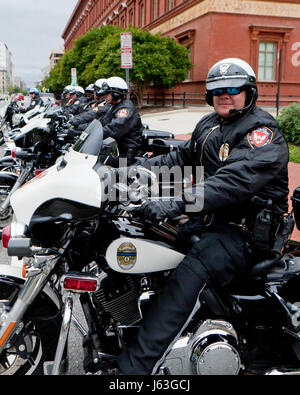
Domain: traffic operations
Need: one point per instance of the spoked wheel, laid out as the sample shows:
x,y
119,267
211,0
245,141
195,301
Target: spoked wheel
x,y
24,357
36,340
5,188
6,215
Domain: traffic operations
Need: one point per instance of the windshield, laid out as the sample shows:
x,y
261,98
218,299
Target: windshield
x,y
51,110
90,141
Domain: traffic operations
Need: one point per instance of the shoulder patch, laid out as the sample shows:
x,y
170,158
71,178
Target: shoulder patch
x,y
260,137
122,113
77,102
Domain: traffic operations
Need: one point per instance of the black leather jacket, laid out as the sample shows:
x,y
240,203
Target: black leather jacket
x,y
243,157
123,123
74,106
87,116
35,101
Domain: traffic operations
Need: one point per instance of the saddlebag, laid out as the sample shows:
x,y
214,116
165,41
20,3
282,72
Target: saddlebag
x,y
162,147
149,135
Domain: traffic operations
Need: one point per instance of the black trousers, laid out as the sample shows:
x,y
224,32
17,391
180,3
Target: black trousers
x,y
217,258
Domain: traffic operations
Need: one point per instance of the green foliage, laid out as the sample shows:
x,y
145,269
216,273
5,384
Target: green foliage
x,y
289,121
294,153
157,61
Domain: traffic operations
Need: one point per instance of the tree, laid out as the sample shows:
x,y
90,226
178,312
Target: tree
x,y
157,61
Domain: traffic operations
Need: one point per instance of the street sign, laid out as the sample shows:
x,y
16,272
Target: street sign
x,y
126,50
74,76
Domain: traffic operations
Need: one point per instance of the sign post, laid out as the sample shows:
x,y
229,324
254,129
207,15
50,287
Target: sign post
x,y
74,76
126,54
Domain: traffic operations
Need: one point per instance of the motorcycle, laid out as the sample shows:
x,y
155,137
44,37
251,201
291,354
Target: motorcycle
x,y
32,152
6,123
68,239
23,123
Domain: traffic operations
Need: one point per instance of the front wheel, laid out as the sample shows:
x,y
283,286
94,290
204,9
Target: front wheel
x,y
7,181
36,342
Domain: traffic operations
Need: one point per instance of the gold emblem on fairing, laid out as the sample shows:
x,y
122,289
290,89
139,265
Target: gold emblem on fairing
x,y
126,256
224,152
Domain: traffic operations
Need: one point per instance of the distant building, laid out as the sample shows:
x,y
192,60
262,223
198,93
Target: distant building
x,y
19,83
6,68
55,56
257,31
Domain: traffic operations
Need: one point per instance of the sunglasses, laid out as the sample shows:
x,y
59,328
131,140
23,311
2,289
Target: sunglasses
x,y
230,91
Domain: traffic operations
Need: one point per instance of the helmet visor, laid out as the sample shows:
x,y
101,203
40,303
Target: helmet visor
x,y
226,81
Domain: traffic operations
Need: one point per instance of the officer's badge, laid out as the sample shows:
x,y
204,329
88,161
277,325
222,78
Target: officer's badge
x,y
126,256
223,68
122,113
95,109
260,137
224,152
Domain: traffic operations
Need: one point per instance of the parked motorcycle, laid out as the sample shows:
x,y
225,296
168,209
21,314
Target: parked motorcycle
x,y
71,240
23,123
31,152
6,123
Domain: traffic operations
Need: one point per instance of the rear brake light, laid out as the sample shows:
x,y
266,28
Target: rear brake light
x,y
5,236
37,172
13,152
80,284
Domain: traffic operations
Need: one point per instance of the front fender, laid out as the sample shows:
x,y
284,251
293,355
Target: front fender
x,y
8,178
7,161
12,276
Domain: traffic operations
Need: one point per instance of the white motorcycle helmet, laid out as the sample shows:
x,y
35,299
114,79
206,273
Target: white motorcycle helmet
x,y
232,73
98,86
79,91
67,89
116,86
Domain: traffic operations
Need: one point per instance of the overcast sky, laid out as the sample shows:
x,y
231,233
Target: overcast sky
x,y
31,29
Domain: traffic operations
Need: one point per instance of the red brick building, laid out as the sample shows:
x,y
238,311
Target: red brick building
x,y
256,31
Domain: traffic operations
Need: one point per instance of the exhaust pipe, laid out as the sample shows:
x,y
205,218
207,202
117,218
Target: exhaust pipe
x,y
282,372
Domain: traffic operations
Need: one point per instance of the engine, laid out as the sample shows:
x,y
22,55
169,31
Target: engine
x,y
211,350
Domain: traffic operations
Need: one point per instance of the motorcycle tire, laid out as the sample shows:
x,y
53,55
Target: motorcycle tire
x,y
39,336
6,216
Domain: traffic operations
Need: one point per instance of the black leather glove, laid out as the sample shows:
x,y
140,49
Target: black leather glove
x,y
157,211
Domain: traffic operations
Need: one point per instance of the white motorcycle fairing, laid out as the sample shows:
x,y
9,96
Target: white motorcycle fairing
x,y
72,178
37,122
136,256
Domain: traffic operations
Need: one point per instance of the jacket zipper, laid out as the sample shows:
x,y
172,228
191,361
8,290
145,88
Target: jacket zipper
x,y
202,147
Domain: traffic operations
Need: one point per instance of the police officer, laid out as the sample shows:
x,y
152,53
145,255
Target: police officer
x,y
65,96
77,100
36,100
122,121
90,99
245,160
96,110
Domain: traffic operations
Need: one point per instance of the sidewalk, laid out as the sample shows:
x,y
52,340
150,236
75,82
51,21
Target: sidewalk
x,y
183,121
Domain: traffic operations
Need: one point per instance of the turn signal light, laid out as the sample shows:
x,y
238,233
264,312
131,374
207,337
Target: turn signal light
x,y
80,284
5,236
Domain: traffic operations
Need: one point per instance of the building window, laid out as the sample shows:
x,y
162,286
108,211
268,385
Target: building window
x,y
171,4
142,14
266,41
154,9
131,17
187,38
267,61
